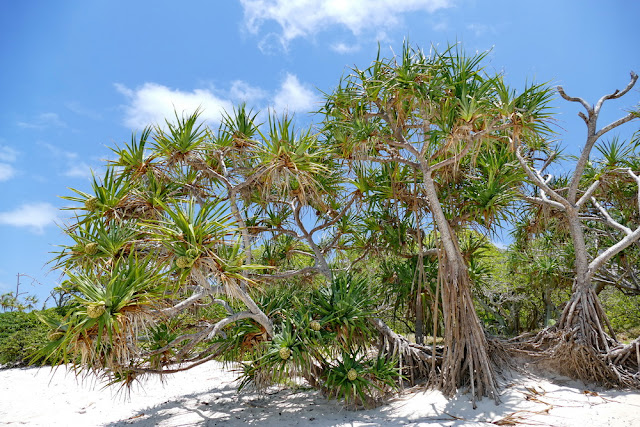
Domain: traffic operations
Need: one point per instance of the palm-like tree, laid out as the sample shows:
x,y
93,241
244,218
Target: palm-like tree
x,y
434,114
152,222
585,349
8,301
161,261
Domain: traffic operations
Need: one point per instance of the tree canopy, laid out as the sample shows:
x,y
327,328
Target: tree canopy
x,y
298,251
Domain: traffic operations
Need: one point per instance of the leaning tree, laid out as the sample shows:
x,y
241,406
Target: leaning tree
x,y
162,270
441,117
579,344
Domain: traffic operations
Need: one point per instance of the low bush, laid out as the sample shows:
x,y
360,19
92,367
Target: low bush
x,y
21,335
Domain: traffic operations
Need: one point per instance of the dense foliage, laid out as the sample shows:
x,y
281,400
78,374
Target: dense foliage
x,y
21,335
293,252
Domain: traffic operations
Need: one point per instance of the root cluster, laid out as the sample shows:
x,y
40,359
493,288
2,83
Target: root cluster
x,y
579,348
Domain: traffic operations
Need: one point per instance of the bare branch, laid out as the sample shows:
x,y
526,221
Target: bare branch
x,y
587,195
617,93
279,230
546,180
252,178
455,158
630,238
215,329
225,304
362,256
612,251
430,252
543,202
321,263
174,370
332,244
615,124
300,252
547,162
564,95
583,117
637,179
592,134
609,220
471,140
397,131
192,300
337,217
537,179
393,159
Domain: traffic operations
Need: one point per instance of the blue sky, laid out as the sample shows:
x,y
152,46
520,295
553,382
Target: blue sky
x,y
80,76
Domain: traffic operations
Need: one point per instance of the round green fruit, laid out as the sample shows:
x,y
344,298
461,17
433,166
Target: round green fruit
x,y
96,310
315,325
184,262
91,248
91,204
285,353
55,335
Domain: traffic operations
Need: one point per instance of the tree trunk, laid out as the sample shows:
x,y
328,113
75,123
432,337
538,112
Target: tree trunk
x,y
515,316
578,345
584,314
548,306
419,317
466,359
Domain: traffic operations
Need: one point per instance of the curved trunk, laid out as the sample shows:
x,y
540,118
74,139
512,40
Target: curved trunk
x,y
578,346
419,318
584,314
466,359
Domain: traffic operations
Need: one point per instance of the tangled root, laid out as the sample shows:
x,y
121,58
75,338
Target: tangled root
x,y
416,361
562,351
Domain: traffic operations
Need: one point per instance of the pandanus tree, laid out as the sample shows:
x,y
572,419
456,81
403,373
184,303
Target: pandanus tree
x,y
440,116
618,155
153,243
161,261
583,343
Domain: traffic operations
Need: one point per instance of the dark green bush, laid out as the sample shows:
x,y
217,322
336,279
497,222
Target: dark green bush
x,y
623,310
21,334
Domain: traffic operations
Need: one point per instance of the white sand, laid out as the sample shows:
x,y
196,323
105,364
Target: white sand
x,y
207,395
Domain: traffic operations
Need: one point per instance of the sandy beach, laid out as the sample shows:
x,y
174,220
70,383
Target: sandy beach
x,y
207,396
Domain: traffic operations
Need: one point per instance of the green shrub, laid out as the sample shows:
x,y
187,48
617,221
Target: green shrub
x,y
324,337
622,310
21,335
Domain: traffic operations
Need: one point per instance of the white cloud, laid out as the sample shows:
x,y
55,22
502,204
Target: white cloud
x,y
78,170
302,18
441,26
152,103
8,154
481,29
6,172
344,48
81,110
243,92
35,216
294,96
74,168
43,121
58,152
